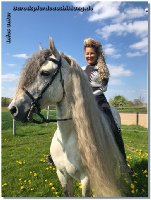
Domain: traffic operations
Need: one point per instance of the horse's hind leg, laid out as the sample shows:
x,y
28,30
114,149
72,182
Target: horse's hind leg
x,y
86,187
66,182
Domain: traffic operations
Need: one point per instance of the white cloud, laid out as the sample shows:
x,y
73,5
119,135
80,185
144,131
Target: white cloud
x,y
115,81
141,48
8,92
124,29
82,3
119,71
135,13
130,14
104,10
9,77
110,50
11,65
23,55
134,54
141,45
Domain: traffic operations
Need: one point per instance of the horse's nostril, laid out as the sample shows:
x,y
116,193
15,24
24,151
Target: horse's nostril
x,y
13,110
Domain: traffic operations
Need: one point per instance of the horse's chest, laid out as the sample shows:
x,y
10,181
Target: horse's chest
x,y
66,156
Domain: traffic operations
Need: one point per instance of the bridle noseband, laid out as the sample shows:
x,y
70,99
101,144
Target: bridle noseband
x,y
35,106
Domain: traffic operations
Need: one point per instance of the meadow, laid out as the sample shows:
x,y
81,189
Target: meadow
x,y
25,172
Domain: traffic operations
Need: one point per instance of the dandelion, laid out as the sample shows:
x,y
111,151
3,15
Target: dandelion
x,y
22,187
35,174
53,189
50,184
132,186
55,193
5,184
20,162
80,185
42,160
145,171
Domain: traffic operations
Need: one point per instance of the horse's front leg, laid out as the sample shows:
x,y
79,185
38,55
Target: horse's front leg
x,y
85,182
66,182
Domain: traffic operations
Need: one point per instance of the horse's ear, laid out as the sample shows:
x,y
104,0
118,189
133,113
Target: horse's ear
x,y
52,47
51,44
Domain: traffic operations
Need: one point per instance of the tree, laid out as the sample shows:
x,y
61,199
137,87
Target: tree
x,y
139,101
5,101
118,101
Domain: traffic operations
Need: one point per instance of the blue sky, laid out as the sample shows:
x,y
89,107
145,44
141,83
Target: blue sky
x,y
121,27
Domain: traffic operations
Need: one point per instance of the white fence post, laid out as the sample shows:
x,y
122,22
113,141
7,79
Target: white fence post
x,y
14,127
48,110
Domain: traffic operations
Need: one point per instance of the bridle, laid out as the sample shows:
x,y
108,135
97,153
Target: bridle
x,y
35,106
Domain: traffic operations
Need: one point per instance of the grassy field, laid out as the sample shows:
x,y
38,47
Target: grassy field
x,y
25,172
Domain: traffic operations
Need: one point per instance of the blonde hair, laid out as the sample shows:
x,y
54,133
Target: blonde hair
x,y
102,67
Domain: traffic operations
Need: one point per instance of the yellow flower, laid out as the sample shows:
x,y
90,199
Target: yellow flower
x,y
53,189
20,162
35,174
133,191
145,171
5,184
55,193
50,184
132,186
22,187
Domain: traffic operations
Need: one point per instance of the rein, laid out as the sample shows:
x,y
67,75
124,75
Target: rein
x,y
35,106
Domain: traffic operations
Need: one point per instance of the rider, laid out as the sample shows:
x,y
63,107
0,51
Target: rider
x,y
98,75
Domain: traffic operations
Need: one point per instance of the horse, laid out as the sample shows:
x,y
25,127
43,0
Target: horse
x,y
83,147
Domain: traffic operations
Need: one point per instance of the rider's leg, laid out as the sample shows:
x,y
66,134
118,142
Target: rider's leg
x,y
105,107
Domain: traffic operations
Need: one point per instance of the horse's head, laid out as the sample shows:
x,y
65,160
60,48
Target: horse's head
x,y
41,83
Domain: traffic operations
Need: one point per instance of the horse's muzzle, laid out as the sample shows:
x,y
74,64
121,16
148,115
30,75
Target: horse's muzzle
x,y
18,114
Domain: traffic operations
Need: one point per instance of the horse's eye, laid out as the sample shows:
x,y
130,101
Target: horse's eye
x,y
45,73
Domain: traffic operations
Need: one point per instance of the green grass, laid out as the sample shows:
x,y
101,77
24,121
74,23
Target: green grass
x,y
132,110
25,172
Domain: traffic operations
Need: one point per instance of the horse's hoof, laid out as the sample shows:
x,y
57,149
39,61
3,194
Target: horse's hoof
x,y
50,161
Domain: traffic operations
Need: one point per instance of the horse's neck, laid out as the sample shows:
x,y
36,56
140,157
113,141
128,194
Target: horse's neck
x,y
64,112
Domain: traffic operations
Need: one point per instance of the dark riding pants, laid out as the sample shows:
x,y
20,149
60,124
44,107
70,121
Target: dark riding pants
x,y
105,107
